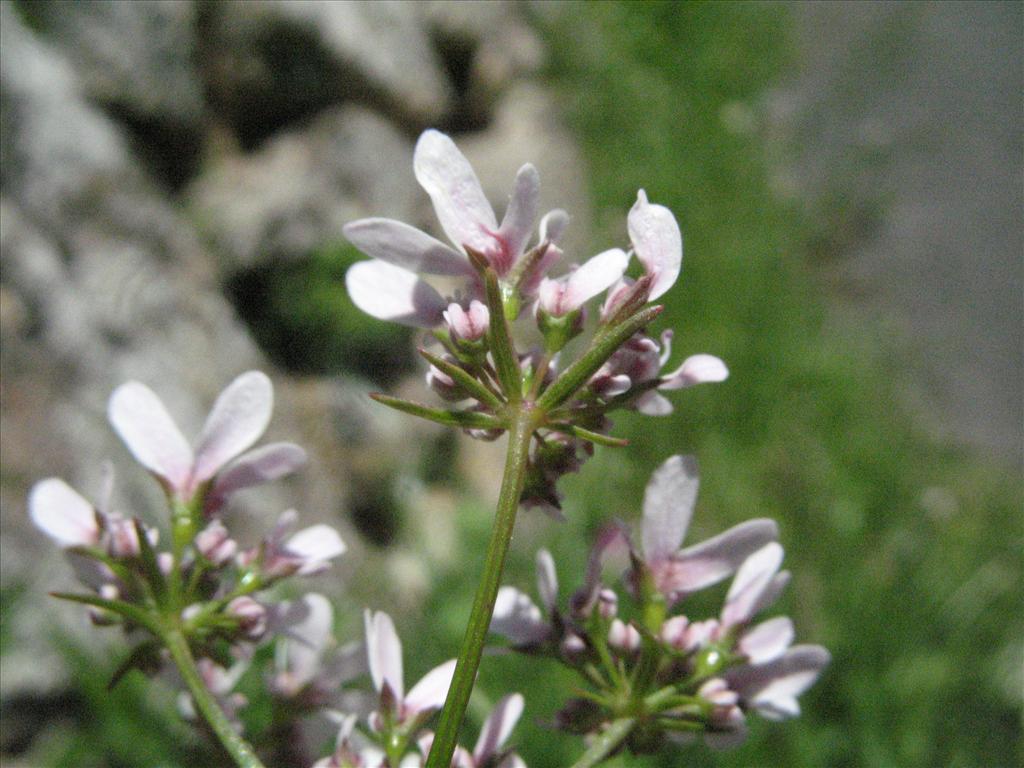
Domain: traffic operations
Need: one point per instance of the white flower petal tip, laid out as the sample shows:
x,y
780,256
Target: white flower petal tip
x,y
772,688
547,580
523,207
696,369
431,691
405,246
61,513
384,653
142,422
314,548
767,641
462,208
553,225
391,293
517,618
498,727
238,419
262,465
658,243
668,505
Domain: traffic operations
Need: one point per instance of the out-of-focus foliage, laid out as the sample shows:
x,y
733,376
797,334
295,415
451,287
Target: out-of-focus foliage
x,y
906,554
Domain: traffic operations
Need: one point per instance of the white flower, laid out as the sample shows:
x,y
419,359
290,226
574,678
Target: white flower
x,y
384,655
238,419
668,507
304,553
388,288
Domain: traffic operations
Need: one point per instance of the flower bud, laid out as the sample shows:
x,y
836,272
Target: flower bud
x,y
123,542
673,632
469,326
573,647
214,543
607,603
624,638
251,615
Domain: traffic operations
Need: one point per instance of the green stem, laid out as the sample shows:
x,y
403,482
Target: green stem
x,y
522,423
606,742
236,746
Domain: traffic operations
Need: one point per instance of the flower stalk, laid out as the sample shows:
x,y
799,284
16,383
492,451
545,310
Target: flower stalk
x,y
606,743
233,743
522,424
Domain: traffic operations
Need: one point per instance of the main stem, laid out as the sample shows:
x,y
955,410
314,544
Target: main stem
x,y
606,742
236,746
519,434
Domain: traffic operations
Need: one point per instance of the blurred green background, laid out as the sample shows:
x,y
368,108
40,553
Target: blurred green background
x,y
906,547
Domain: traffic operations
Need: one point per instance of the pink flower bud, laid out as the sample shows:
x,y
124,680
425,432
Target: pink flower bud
x,y
123,541
251,615
468,326
624,638
673,632
607,604
214,543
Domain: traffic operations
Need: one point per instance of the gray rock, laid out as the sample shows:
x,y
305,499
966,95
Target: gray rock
x,y
294,195
272,63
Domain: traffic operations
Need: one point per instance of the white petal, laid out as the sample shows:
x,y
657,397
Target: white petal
x,y
431,691
59,511
668,505
263,465
238,419
658,242
752,579
720,556
406,247
517,617
308,638
144,425
517,225
652,404
459,201
384,653
553,225
772,688
768,640
315,545
497,727
547,580
696,369
594,276
391,293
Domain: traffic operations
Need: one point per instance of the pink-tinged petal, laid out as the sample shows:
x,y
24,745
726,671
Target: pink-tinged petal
x,y
391,293
547,580
315,547
752,579
772,688
238,419
471,325
497,727
767,641
307,639
459,201
668,505
696,369
384,653
551,297
263,465
771,592
720,556
431,691
553,225
406,247
142,422
652,404
657,241
595,275
62,514
611,386
523,207
517,618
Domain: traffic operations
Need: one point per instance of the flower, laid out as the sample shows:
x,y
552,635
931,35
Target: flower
x,y
238,419
667,509
771,689
387,287
567,294
304,553
384,655
517,618
493,735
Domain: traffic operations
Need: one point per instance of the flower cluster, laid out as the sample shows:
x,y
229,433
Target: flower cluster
x,y
394,733
493,278
675,677
205,586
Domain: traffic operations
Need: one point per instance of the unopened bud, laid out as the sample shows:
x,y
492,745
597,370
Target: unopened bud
x,y
251,615
123,543
214,543
469,326
624,638
607,604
